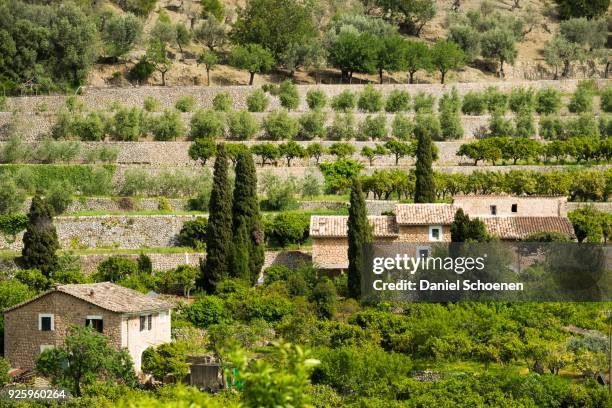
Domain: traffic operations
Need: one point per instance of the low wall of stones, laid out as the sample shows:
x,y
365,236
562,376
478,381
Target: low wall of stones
x,y
113,231
98,98
605,207
164,262
83,204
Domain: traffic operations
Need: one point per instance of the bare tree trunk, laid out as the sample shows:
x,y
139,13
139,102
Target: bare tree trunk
x,y
380,75
252,76
208,76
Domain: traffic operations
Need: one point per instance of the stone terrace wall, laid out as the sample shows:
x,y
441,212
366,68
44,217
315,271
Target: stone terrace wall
x,y
117,204
97,98
164,262
111,231
605,207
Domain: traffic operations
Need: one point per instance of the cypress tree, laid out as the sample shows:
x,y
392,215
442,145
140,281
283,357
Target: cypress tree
x,y
425,188
464,229
359,233
246,219
219,229
40,239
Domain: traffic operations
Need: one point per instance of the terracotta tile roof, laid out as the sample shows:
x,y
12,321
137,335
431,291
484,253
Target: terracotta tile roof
x,y
515,228
108,296
425,214
335,226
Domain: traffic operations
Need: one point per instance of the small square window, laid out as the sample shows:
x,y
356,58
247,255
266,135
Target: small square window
x,y
95,322
435,233
514,208
143,322
423,251
493,210
45,322
149,322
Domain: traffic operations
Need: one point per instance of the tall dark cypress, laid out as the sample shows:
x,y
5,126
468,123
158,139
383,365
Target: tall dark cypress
x,y
246,220
359,233
40,242
425,188
219,229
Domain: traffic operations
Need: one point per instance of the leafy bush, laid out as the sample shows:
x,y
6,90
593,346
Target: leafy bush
x,y
373,127
311,186
450,102
584,125
312,125
402,127
288,95
548,101
325,298
167,126
193,233
278,125
89,128
166,359
206,311
344,101
525,126
606,99
551,127
105,154
500,126
370,100
52,151
258,101
522,99
242,125
474,103
59,196
398,101
581,101
288,228
142,70
497,101
222,102
338,175
316,99
424,102
128,124
207,124
11,197
428,123
450,124
342,127
185,103
280,194
115,268
151,104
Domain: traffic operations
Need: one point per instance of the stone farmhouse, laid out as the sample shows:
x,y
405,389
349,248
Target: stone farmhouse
x,y
507,217
128,318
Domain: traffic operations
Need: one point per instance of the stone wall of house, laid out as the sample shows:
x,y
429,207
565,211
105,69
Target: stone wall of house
x,y
99,98
420,233
525,206
23,339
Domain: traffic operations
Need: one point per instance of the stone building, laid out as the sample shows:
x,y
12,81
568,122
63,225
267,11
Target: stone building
x,y
507,217
129,319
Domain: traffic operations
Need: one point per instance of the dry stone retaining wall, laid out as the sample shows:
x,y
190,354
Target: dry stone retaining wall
x,y
98,98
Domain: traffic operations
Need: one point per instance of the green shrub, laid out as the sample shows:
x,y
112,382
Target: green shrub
x,y
128,124
135,182
257,101
206,311
605,126
344,101
167,126
271,307
15,151
89,128
525,126
398,101
142,70
548,101
59,196
222,102
278,125
424,102
342,127
522,99
370,100
104,154
312,125
207,124
151,104
373,127
316,99
11,197
63,126
450,124
551,128
115,268
325,298
193,234
185,103
311,186
581,101
280,195
497,101
450,102
402,127
474,103
242,125
584,125
53,151
499,126
3,100
606,99
288,228
288,95
11,223
427,123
